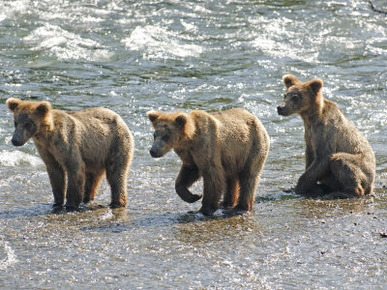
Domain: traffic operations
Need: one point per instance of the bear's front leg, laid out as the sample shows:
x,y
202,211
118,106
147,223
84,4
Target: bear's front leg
x,y
187,176
214,185
75,185
57,180
56,175
307,183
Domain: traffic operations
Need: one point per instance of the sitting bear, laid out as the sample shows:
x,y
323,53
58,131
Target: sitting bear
x,y
340,162
228,149
81,145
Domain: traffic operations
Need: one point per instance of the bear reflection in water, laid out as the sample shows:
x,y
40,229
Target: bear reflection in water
x,y
228,149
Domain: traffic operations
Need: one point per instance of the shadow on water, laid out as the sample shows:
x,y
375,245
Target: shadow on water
x,y
41,210
195,222
220,228
34,211
325,208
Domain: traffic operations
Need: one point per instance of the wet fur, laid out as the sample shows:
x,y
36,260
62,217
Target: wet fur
x,y
81,147
340,163
227,149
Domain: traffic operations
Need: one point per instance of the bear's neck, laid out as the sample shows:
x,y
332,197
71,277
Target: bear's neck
x,y
46,128
311,117
314,113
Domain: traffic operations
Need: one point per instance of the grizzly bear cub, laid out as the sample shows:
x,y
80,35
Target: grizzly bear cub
x,y
340,162
228,149
80,145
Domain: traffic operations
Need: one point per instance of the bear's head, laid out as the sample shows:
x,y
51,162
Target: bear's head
x,y
170,129
28,118
300,96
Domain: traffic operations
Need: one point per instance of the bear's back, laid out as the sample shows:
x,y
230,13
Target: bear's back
x,y
237,133
100,132
346,136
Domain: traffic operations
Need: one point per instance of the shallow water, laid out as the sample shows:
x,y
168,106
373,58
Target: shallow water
x,y
133,56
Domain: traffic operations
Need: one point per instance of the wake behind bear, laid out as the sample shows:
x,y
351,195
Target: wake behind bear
x,y
82,145
228,149
340,162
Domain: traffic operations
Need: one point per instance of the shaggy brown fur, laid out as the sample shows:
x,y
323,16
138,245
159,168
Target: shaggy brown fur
x,y
228,149
340,162
81,145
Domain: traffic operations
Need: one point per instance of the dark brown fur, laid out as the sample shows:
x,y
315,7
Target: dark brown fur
x,y
340,162
228,149
81,146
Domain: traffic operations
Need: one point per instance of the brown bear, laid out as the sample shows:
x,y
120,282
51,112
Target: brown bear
x,y
340,162
80,145
228,149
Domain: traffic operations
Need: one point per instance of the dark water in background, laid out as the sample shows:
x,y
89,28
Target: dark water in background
x,y
133,56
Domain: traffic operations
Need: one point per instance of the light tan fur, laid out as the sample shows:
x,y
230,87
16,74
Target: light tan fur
x,y
340,162
228,149
80,145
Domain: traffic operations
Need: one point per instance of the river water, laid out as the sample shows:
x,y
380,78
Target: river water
x,y
134,56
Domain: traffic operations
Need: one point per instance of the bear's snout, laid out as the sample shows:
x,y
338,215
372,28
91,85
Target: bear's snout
x,y
16,142
155,153
280,110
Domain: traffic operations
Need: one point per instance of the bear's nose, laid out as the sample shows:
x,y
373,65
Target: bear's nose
x,y
153,153
280,109
16,142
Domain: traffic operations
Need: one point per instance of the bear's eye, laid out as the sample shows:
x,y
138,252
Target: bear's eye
x,y
165,138
296,98
28,125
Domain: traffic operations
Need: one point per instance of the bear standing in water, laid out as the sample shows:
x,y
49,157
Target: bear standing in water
x,y
81,145
340,162
228,149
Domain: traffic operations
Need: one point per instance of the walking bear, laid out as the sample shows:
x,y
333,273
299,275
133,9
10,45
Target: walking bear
x,y
340,162
228,149
80,145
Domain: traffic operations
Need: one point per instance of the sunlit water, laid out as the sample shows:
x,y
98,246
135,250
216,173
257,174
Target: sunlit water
x,y
134,56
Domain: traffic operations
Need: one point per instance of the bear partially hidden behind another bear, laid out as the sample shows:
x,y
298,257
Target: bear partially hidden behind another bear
x,y
82,145
228,149
340,163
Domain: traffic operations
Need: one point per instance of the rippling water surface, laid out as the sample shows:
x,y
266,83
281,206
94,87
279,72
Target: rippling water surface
x,y
133,56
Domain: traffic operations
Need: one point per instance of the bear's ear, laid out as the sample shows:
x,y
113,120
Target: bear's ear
x,y
13,103
290,80
43,108
181,119
153,115
316,85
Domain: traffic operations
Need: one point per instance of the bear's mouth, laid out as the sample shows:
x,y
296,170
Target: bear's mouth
x,y
16,142
282,111
155,153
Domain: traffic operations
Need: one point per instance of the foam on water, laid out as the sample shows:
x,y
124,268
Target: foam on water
x,y
65,45
8,256
20,159
157,42
10,9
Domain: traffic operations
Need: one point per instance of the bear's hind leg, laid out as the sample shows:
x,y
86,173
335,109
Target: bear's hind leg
x,y
91,185
346,169
249,179
117,175
248,186
232,193
214,184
